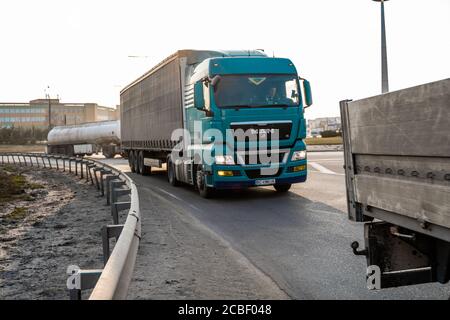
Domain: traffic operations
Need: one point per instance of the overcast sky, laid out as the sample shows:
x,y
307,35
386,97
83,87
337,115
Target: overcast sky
x,y
81,48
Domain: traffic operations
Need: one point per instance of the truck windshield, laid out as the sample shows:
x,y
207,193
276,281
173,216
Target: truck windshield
x,y
257,90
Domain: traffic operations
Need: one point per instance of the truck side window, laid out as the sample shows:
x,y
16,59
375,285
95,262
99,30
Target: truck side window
x,y
206,96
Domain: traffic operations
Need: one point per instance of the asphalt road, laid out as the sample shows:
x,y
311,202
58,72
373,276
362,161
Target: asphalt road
x,y
301,239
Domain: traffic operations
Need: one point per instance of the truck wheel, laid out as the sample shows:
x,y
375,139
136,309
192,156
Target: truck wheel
x,y
136,161
108,151
203,189
109,155
171,176
146,171
131,160
143,169
139,161
282,187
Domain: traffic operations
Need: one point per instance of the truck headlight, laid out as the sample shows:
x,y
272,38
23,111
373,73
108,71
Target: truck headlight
x,y
298,155
227,159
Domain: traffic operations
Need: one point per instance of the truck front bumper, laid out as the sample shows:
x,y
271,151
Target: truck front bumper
x,y
247,176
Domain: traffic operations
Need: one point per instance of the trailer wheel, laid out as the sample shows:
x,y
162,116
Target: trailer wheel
x,y
139,161
171,176
282,187
143,169
136,161
203,189
131,160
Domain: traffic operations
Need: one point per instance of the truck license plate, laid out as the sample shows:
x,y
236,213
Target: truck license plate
x,y
264,182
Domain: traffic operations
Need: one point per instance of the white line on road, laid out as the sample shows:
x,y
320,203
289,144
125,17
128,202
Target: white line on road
x,y
322,169
169,194
178,198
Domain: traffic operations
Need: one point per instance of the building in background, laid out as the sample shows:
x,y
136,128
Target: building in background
x,y
35,113
317,126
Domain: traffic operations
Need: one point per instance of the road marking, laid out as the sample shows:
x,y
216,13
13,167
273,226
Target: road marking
x,y
169,194
178,198
320,168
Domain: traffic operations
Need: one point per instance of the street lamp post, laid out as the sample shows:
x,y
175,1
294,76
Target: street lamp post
x,y
384,67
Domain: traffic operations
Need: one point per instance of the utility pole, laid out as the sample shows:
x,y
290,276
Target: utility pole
x,y
47,95
384,67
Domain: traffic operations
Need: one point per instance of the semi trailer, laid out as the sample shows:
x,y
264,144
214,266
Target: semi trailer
x,y
85,139
212,117
397,166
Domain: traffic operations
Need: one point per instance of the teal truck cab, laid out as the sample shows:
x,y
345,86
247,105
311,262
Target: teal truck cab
x,y
239,121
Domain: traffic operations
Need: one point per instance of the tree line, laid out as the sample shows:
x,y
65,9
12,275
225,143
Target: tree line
x,y
22,135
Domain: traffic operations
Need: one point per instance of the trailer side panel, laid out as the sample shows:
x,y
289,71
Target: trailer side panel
x,y
398,153
152,108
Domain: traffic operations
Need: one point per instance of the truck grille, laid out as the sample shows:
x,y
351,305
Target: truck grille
x,y
257,173
247,159
264,130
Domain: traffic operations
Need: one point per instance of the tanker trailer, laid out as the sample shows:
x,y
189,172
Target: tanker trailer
x,y
85,139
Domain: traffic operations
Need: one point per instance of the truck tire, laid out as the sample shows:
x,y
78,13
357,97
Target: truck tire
x,y
203,189
146,171
131,161
143,169
171,175
109,151
136,161
109,155
282,187
139,161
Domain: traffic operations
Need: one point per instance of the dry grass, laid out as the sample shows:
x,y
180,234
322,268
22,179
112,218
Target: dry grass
x,y
13,185
18,214
22,148
322,141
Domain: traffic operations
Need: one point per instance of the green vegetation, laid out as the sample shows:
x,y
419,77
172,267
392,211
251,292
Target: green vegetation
x,y
13,185
22,135
35,186
22,148
322,141
19,213
330,134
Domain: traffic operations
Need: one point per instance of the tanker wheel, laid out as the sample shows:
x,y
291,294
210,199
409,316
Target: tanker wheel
x,y
109,155
203,189
131,160
171,176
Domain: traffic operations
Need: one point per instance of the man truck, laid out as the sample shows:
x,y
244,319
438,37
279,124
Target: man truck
x,y
208,97
397,165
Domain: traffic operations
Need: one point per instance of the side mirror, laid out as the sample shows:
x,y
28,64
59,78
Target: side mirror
x,y
215,80
307,92
199,99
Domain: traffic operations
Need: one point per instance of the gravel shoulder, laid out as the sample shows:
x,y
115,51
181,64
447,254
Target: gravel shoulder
x,y
179,258
59,226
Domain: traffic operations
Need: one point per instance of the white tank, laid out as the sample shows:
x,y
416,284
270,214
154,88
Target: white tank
x,y
102,132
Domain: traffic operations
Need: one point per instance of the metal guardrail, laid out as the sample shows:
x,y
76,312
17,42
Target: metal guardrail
x,y
113,280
